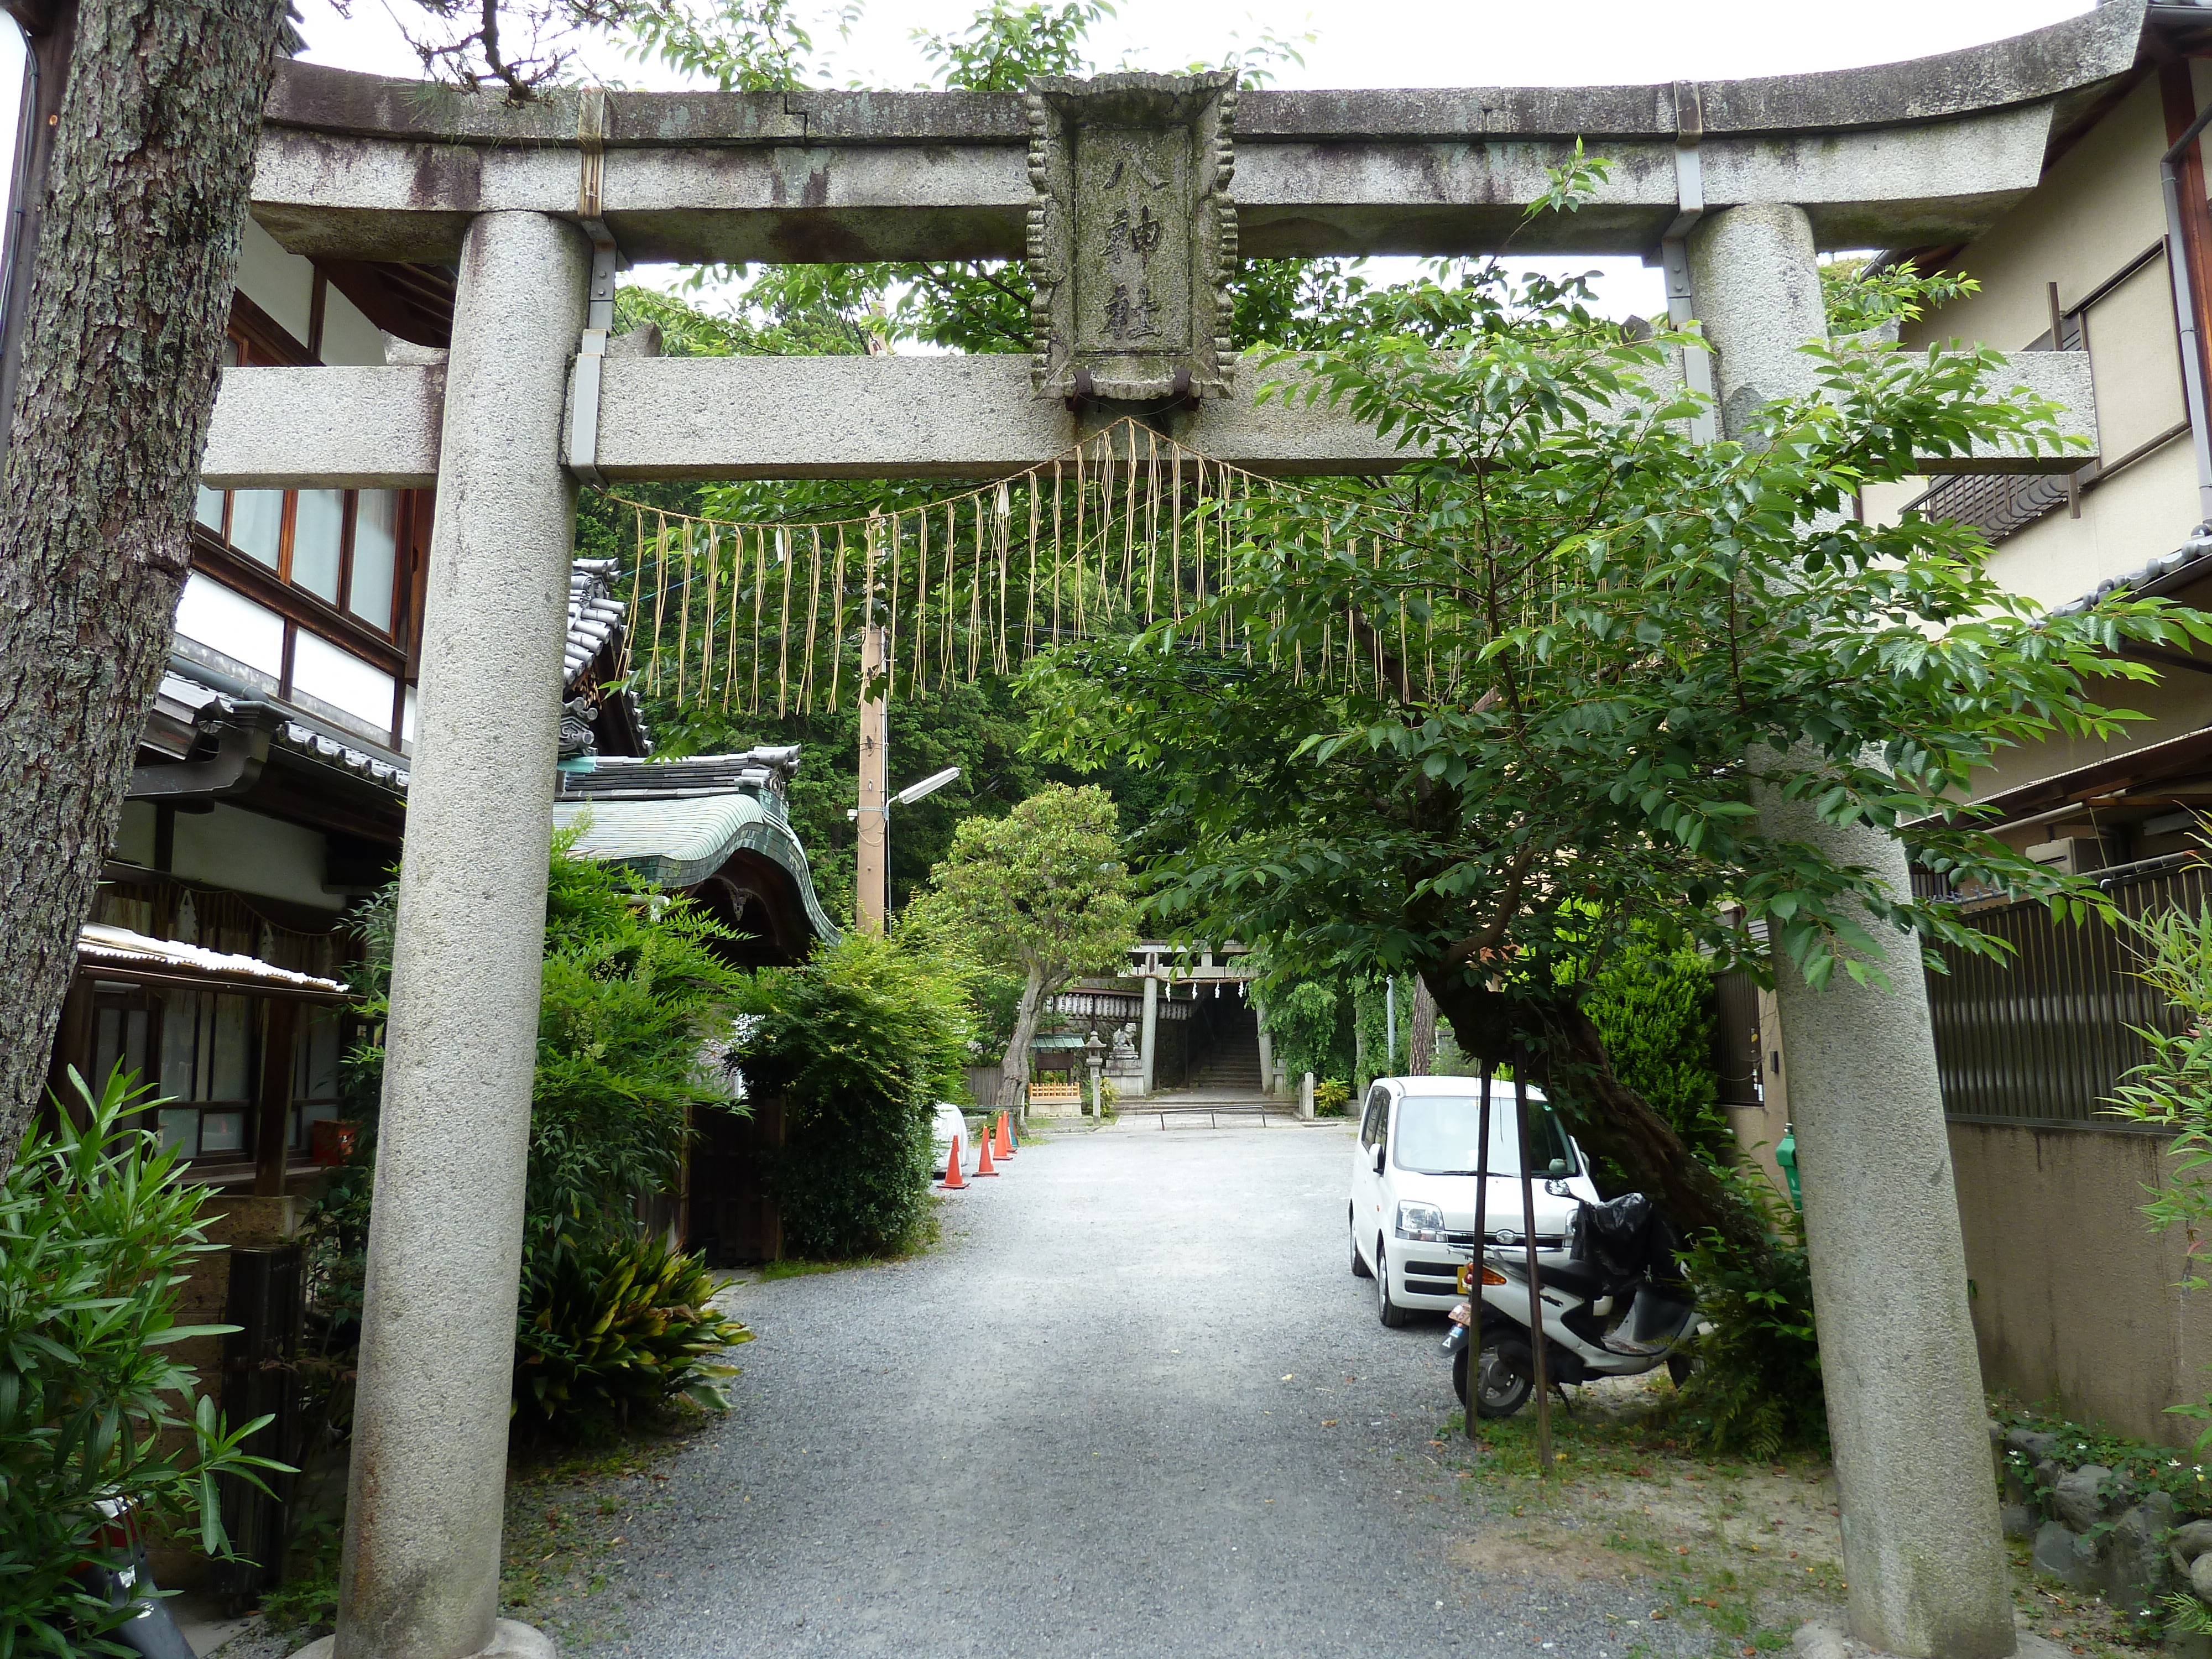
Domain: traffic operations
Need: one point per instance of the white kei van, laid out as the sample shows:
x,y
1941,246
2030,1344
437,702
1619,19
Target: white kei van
x,y
1413,1180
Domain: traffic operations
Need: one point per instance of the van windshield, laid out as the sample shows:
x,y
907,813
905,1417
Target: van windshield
x,y
1437,1135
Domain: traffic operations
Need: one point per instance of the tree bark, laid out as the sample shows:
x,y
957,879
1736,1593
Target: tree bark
x,y
1014,1069
1421,1035
1607,1116
153,158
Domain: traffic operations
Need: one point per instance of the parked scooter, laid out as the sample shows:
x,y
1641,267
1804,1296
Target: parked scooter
x,y
151,1630
1615,1304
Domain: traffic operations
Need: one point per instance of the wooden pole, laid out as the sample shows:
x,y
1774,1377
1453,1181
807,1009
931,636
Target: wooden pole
x,y
1536,1278
872,860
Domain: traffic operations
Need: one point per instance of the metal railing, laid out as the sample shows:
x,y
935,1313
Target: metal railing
x,y
2043,1037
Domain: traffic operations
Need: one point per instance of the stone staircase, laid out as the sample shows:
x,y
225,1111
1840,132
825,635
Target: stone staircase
x,y
1230,1066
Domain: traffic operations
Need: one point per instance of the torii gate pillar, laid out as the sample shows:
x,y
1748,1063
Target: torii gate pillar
x,y
1922,1551
419,1576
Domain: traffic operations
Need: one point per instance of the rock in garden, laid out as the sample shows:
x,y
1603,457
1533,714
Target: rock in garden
x,y
2018,1520
2035,1447
2200,1577
2189,1542
2075,1500
2134,1563
2066,1556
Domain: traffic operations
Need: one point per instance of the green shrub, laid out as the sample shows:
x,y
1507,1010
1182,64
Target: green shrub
x,y
861,1042
1756,1387
96,1233
616,1328
1330,1097
1654,1008
632,990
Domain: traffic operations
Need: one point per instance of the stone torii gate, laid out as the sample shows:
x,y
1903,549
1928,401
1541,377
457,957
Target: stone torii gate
x,y
1119,192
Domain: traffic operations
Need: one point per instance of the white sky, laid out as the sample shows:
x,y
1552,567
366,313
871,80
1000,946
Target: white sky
x,y
1369,43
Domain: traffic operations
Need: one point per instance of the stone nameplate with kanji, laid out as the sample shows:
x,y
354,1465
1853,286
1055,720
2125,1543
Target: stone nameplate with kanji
x,y
1133,235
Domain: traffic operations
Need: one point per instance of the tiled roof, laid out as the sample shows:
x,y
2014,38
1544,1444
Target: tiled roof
x,y
187,698
765,771
595,616
680,841
120,949
2197,548
325,748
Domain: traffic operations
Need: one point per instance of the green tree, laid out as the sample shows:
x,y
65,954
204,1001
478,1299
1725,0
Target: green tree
x,y
112,378
1587,641
98,1234
1653,1009
861,1041
1042,894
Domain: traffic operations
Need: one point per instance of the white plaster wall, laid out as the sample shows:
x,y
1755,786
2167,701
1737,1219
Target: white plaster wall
x,y
349,337
250,853
282,284
2096,210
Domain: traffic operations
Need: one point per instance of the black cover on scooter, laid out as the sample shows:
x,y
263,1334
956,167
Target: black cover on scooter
x,y
1626,1239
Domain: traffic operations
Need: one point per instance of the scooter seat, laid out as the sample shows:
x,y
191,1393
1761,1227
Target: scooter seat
x,y
1580,1279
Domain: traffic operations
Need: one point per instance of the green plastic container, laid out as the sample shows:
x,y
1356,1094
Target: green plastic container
x,y
1786,1155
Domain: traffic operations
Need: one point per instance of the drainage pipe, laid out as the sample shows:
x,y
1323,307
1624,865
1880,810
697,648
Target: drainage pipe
x,y
2186,307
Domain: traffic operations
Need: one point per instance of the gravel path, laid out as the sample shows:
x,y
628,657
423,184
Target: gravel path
x,y
1135,1404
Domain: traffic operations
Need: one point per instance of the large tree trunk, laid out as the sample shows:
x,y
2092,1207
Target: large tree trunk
x,y
1014,1069
138,246
1607,1116
1421,1037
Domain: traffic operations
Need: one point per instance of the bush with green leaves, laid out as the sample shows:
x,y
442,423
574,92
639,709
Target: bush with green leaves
x,y
615,1328
1756,1387
1653,1007
861,1042
2172,1090
1331,1095
98,1230
632,990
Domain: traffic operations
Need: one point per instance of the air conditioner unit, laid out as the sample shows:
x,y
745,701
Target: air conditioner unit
x,y
2076,855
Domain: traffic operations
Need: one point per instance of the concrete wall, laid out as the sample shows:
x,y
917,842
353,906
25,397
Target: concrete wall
x,y
2073,1295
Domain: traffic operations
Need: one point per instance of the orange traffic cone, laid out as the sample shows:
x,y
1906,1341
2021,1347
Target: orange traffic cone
x,y
983,1165
954,1180
1005,1147
1013,1137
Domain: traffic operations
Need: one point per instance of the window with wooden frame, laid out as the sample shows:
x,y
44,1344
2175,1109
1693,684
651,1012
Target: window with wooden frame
x,y
313,590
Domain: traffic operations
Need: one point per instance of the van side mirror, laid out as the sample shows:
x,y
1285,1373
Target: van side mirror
x,y
1379,1150
1559,1169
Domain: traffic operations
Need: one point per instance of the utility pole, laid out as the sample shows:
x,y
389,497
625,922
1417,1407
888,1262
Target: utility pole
x,y
872,861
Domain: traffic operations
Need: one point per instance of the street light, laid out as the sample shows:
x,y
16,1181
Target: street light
x,y
906,797
928,786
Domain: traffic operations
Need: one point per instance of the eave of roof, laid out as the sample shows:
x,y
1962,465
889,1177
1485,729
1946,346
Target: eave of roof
x,y
114,952
680,842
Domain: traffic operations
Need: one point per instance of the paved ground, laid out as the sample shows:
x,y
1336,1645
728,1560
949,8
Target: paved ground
x,y
1135,1405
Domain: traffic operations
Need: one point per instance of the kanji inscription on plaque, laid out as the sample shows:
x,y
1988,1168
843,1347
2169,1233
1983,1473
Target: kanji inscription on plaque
x,y
1133,235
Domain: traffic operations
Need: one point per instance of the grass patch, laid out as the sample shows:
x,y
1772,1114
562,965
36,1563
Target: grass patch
x,y
928,1234
1744,1548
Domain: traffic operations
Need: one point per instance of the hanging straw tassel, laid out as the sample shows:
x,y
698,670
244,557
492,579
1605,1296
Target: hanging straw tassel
x,y
1175,535
783,628
636,586
1002,537
891,623
1055,544
707,632
683,620
837,629
813,613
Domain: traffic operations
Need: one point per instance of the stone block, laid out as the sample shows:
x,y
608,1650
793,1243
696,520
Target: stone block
x,y
2067,1556
2136,1573
2018,1520
2076,1499
2200,1577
